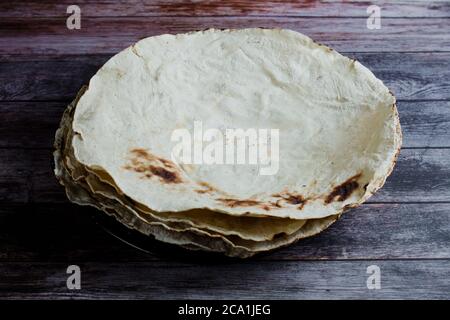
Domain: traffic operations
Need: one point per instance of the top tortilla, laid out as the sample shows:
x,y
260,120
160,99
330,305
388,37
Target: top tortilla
x,y
338,124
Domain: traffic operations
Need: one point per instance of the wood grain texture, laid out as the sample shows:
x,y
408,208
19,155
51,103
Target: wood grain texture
x,y
421,175
424,279
46,78
29,124
32,124
334,8
110,35
69,233
411,76
404,229
425,123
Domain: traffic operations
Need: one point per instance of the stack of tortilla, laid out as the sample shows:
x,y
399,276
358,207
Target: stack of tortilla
x,y
339,136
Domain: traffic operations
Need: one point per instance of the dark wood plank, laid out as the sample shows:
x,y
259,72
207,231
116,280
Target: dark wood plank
x,y
420,175
379,231
105,8
109,35
29,124
24,172
411,76
46,78
425,123
372,231
15,176
424,279
32,124
64,232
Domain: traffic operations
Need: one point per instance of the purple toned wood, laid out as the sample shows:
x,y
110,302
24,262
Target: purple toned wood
x,y
333,8
412,279
46,77
110,35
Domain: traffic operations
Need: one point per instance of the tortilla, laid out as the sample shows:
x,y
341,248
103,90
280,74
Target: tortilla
x,y
339,128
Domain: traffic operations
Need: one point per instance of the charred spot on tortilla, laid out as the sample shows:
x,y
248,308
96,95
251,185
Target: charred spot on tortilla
x,y
167,163
238,203
150,171
164,174
202,191
206,188
344,190
149,165
276,204
140,153
267,206
291,198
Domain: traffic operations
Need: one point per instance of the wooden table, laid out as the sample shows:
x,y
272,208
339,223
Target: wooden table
x,y
404,229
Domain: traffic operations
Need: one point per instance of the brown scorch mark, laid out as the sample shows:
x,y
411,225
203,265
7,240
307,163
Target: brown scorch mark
x,y
239,203
143,154
164,174
206,188
276,204
344,190
294,199
149,165
267,206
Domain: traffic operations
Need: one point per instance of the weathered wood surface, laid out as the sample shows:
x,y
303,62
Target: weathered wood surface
x,y
329,8
110,35
420,175
372,231
425,279
405,228
411,76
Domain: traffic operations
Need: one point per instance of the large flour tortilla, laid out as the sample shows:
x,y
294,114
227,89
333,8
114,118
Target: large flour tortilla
x,y
86,189
339,138
339,129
